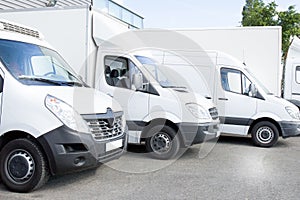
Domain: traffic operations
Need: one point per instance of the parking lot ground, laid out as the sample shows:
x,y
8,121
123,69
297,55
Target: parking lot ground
x,y
234,169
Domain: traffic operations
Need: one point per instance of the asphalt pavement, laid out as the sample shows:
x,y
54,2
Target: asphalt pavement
x,y
230,169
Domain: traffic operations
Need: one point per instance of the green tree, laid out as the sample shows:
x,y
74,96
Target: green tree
x,y
290,22
257,13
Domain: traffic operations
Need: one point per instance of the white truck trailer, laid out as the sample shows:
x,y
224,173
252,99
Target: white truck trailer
x,y
291,90
50,121
259,48
164,117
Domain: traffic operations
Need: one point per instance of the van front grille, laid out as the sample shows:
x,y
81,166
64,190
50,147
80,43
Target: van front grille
x,y
214,113
105,126
101,130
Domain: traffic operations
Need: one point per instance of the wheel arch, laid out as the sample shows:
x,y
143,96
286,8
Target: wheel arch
x,y
161,121
12,135
265,119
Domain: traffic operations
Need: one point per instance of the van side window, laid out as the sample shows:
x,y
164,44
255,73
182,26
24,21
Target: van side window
x,y
235,81
122,72
246,85
117,72
298,74
138,80
231,80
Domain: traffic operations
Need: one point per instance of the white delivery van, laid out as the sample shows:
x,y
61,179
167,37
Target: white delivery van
x,y
259,48
246,107
51,122
249,108
160,112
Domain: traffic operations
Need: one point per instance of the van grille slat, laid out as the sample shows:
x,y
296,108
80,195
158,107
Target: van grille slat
x,y
214,113
101,129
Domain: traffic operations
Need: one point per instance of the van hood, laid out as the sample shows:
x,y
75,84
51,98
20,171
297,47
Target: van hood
x,y
280,101
84,100
186,96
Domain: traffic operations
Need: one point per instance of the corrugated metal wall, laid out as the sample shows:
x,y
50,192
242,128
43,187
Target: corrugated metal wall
x,y
20,4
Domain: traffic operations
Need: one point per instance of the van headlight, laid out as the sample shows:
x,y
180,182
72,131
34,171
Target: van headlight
x,y
66,114
198,111
293,113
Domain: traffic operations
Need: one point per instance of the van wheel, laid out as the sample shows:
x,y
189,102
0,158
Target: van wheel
x,y
23,167
265,134
163,142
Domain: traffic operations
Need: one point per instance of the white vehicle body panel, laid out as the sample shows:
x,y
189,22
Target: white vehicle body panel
x,y
258,47
292,72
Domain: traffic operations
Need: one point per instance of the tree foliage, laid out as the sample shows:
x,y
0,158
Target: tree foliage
x,y
257,13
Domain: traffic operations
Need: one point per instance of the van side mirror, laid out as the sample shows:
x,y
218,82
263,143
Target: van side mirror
x,y
137,81
253,90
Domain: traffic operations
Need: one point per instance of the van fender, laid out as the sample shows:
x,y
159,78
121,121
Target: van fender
x,y
23,127
162,115
265,116
136,129
269,115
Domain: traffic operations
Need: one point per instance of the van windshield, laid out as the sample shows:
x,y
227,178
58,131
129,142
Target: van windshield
x,y
257,82
160,73
176,76
36,65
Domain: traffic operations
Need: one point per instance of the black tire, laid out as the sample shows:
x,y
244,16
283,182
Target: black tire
x,y
23,167
162,142
265,134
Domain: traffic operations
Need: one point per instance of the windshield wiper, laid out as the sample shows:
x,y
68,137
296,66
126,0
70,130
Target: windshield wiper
x,y
50,81
73,83
173,86
34,78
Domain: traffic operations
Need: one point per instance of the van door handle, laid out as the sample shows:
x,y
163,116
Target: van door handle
x,y
223,99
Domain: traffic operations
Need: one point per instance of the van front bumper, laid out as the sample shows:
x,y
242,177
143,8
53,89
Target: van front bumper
x,y
290,129
69,151
193,133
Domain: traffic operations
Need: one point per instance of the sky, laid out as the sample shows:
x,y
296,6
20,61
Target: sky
x,y
194,13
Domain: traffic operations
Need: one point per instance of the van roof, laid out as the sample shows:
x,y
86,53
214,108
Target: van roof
x,y
222,58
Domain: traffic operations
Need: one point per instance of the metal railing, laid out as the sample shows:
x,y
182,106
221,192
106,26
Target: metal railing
x,y
108,6
21,4
120,12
